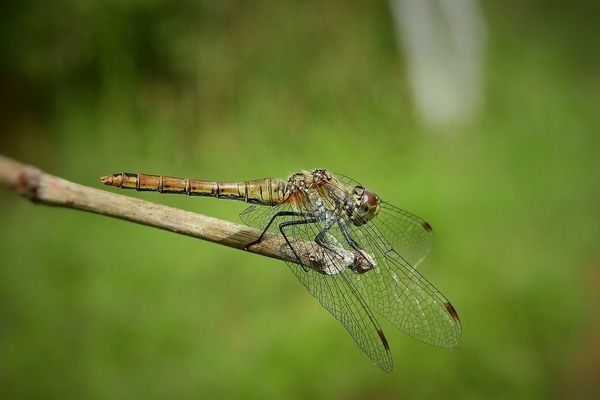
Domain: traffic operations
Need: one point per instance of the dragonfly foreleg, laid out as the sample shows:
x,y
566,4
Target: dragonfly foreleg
x,y
320,239
359,268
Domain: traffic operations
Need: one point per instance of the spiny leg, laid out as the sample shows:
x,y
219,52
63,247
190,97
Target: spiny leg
x,y
279,214
352,243
320,238
291,223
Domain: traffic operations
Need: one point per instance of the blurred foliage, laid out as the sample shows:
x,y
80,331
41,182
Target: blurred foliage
x,y
98,308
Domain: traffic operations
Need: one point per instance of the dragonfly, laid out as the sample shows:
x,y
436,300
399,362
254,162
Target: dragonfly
x,y
334,215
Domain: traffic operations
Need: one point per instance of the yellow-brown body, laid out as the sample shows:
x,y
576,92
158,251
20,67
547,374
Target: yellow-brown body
x,y
267,191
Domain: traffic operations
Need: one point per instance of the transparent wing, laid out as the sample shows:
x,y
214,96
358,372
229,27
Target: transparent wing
x,y
403,296
400,294
258,216
409,235
336,293
394,289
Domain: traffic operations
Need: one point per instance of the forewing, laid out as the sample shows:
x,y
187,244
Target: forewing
x,y
403,296
409,235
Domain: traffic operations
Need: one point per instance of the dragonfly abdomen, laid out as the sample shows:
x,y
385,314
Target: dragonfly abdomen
x,y
267,191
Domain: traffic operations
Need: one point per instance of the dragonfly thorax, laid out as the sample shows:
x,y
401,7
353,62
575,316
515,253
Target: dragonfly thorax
x,y
329,199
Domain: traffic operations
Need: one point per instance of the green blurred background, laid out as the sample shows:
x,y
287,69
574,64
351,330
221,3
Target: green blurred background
x,y
92,307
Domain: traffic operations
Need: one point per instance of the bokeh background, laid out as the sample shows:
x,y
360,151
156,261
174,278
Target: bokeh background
x,y
490,133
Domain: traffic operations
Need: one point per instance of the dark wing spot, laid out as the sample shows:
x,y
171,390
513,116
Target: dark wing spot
x,y
451,311
383,340
427,227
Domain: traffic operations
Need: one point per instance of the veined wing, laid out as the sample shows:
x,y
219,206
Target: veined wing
x,y
402,295
336,293
409,235
394,288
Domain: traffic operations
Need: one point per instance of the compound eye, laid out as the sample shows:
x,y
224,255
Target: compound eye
x,y
370,198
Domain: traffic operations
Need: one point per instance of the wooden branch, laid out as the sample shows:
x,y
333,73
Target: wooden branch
x,y
47,189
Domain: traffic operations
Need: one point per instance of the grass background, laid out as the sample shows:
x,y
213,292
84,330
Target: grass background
x,y
97,308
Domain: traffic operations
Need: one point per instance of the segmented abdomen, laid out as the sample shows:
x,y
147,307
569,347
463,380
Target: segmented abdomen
x,y
267,191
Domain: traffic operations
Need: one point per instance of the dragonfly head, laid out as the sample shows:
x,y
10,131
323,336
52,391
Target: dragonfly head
x,y
366,206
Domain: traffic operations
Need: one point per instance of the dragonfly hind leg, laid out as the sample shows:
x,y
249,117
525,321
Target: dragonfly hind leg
x,y
279,214
287,240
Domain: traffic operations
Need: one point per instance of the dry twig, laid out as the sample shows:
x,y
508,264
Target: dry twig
x,y
43,188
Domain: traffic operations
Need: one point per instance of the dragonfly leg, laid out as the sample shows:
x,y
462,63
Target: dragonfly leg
x,y
354,245
320,239
279,214
291,223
